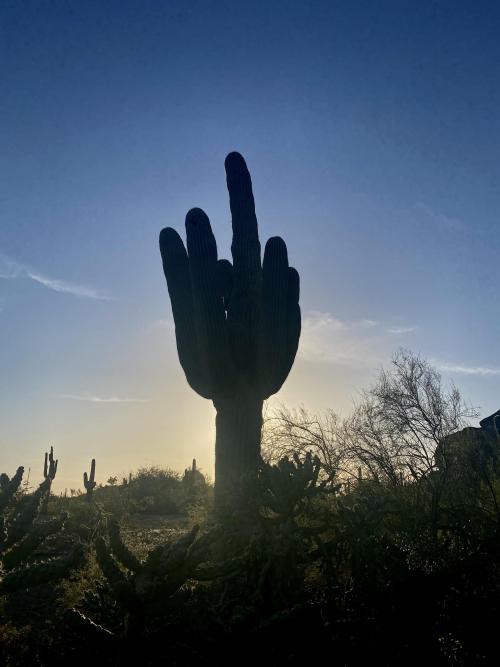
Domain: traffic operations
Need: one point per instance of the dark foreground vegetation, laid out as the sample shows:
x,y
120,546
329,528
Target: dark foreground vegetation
x,y
369,540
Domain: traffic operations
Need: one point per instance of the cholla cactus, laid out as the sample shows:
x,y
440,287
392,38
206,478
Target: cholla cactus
x,y
287,486
141,588
22,533
8,488
237,325
89,482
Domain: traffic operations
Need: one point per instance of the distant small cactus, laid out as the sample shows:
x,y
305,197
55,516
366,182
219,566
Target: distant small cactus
x,y
140,587
192,476
50,465
49,474
89,482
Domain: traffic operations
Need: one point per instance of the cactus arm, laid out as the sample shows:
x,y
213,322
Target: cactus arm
x,y
40,573
10,487
24,518
50,465
293,317
120,550
177,274
244,314
274,351
121,584
245,247
225,281
209,313
21,551
280,317
53,464
89,482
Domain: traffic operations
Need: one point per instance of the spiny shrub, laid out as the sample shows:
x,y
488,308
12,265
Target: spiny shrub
x,y
24,531
143,589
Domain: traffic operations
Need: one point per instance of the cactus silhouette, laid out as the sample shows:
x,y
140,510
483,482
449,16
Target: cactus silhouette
x,y
237,325
192,476
89,481
50,465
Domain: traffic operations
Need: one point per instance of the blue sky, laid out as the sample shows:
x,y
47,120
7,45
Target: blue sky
x,y
372,134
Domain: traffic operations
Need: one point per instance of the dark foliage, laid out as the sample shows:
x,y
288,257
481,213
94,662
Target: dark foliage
x,y
387,568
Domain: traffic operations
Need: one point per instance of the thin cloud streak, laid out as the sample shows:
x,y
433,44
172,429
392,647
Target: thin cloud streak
x,y
100,399
398,331
467,370
11,270
440,219
362,343
356,343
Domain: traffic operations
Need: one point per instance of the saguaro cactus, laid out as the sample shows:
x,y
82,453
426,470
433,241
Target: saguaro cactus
x,y
89,482
237,325
50,465
49,474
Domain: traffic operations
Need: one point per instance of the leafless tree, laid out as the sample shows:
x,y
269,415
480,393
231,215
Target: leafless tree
x,y
392,434
288,431
401,420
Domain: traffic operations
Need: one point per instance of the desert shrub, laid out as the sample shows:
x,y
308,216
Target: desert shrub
x,y
155,490
152,490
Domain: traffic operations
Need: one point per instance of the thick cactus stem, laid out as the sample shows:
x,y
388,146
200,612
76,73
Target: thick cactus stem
x,y
238,426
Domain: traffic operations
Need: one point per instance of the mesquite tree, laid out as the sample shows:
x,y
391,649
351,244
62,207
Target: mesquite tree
x,y
237,325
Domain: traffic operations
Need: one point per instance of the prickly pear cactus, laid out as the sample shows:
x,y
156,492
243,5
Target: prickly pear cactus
x,y
237,325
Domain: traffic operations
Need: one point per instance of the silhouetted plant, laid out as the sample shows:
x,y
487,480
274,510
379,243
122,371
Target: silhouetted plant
x,y
89,481
23,532
142,588
237,326
49,473
50,465
192,476
8,487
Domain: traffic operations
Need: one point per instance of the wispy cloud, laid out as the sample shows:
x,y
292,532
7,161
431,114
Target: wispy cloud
x,y
467,370
99,399
398,331
10,270
363,342
440,219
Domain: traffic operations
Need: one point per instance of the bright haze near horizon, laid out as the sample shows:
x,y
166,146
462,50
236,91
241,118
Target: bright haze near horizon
x,y
372,133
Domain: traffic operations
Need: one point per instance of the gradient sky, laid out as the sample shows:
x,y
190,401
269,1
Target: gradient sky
x,y
372,133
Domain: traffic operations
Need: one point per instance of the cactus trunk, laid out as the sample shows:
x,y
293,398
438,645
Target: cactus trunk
x,y
238,426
